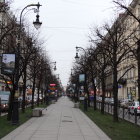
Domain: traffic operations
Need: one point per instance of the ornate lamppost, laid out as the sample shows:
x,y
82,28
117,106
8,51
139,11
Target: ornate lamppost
x,y
54,65
82,78
37,24
77,50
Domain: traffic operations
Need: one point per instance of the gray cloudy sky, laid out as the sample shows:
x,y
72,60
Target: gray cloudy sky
x,y
65,25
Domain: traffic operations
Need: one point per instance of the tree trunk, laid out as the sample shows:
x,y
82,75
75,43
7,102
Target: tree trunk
x,y
46,95
24,92
33,90
10,110
138,63
115,93
42,92
86,88
38,93
94,87
103,93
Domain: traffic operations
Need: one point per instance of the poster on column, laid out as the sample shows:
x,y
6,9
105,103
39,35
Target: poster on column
x,y
8,64
81,78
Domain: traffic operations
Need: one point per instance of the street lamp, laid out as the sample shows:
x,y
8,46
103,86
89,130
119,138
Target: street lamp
x,y
54,65
71,72
77,57
77,50
57,76
37,24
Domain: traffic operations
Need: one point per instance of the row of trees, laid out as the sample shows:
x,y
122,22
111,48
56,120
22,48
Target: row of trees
x,y
33,62
109,48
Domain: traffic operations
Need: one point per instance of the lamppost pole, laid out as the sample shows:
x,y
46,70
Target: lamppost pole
x,y
75,87
85,84
37,24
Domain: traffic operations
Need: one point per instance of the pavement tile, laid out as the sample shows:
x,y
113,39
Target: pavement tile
x,y
44,136
70,137
22,137
46,132
36,138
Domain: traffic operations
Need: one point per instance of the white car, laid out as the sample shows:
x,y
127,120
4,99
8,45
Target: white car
x,y
111,100
135,106
126,102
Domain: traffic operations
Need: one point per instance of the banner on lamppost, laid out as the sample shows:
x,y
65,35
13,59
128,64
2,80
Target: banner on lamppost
x,y
8,64
82,78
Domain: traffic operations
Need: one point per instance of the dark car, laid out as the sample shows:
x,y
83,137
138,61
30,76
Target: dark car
x,y
4,105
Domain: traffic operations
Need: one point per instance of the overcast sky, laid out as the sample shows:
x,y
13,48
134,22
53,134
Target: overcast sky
x,y
65,25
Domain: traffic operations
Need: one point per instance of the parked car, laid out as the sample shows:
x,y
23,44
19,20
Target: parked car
x,y
107,100
125,103
4,105
28,99
99,99
135,106
111,100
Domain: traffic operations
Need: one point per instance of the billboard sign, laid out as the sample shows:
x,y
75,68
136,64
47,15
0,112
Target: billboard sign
x,y
8,64
81,78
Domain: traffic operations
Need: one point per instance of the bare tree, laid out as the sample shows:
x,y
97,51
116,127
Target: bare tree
x,y
92,70
129,11
117,50
26,56
102,62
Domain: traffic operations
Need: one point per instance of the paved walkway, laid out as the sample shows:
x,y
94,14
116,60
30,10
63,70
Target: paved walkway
x,y
59,122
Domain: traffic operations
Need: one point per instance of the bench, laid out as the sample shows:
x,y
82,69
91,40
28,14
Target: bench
x,y
37,112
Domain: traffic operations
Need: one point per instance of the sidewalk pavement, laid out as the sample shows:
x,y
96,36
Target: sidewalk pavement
x,y
61,121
